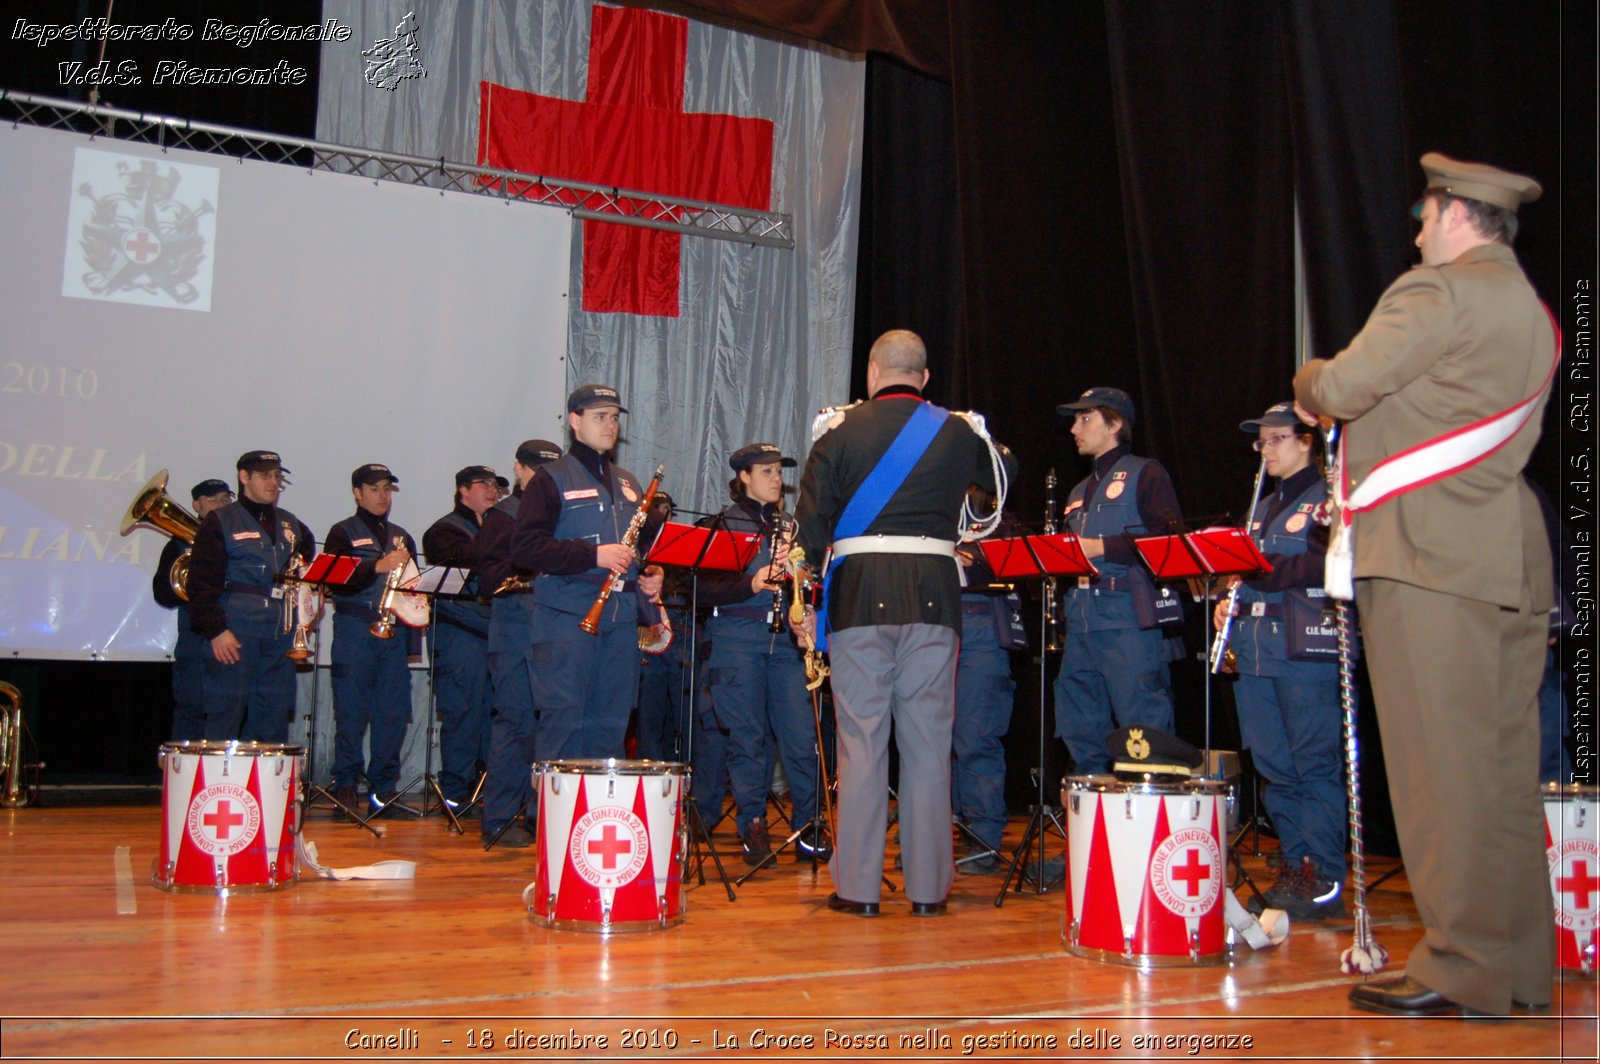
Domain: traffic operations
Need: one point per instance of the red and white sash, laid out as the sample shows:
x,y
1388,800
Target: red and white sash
x,y
1430,461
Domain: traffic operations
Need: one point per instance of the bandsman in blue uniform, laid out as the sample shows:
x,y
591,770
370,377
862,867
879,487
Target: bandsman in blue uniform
x,y
190,652
569,530
991,628
509,787
1286,654
461,636
757,671
371,676
236,605
1114,665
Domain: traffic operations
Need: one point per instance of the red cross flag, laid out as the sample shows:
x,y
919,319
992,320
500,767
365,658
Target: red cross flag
x,y
712,343
630,131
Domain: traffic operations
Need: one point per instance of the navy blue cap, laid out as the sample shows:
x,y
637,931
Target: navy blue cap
x,y
210,487
537,452
1110,398
591,395
259,462
758,454
1278,416
372,473
473,473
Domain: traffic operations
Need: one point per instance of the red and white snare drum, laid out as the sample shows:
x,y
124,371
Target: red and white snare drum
x,y
1572,851
611,845
1146,865
230,813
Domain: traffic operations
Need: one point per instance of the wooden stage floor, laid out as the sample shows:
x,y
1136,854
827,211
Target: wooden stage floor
x,y
100,964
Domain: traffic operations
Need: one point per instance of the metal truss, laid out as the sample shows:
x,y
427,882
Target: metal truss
x,y
597,202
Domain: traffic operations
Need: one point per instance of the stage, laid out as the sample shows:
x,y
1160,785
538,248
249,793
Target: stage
x,y
104,965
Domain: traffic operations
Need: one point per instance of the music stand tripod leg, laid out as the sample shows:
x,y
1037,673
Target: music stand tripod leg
x,y
522,812
354,816
452,822
698,836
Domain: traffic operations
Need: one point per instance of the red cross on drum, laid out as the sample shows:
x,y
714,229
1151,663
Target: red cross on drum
x,y
230,814
1572,851
611,845
1145,871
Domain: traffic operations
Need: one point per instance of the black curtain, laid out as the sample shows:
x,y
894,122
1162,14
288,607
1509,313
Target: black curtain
x,y
908,265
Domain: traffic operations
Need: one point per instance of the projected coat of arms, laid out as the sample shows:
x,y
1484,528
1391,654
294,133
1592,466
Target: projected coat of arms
x,y
140,231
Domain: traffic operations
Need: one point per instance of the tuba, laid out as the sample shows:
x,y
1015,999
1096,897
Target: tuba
x,y
13,794
154,508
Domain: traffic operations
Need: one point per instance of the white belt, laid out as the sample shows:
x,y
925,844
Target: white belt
x,y
843,548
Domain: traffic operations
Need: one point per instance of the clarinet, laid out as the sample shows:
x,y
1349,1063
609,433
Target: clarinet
x,y
591,620
1052,640
775,614
1221,656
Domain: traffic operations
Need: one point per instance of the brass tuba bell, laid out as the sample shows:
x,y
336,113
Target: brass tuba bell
x,y
154,508
14,792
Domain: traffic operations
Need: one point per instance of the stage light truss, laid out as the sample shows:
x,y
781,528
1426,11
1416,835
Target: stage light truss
x,y
602,203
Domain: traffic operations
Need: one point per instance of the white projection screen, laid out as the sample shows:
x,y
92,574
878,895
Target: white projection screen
x,y
174,310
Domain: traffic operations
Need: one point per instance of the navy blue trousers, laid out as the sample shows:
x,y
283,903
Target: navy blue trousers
x,y
462,698
371,691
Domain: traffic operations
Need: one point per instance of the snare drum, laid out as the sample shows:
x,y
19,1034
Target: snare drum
x,y
1572,851
611,845
230,813
1145,871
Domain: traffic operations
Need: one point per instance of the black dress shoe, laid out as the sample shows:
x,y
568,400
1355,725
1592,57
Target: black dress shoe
x,y
854,908
929,908
1401,996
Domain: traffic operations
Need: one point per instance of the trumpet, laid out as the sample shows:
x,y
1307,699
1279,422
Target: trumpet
x,y
304,603
153,508
383,627
13,795
591,620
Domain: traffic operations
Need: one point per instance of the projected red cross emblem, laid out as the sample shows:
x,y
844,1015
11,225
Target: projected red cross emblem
x,y
608,847
1581,884
1191,873
221,821
630,131
140,245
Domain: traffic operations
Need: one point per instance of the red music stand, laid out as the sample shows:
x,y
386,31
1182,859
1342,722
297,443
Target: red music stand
x,y
697,547
1051,554
1206,554
332,570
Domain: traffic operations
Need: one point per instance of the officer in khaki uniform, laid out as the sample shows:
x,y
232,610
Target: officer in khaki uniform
x,y
1453,584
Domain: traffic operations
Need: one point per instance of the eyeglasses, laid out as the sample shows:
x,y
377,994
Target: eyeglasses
x,y
1271,441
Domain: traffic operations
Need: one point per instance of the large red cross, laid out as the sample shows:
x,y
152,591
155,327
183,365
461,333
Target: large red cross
x,y
1191,873
609,847
630,131
222,821
1580,884
139,246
